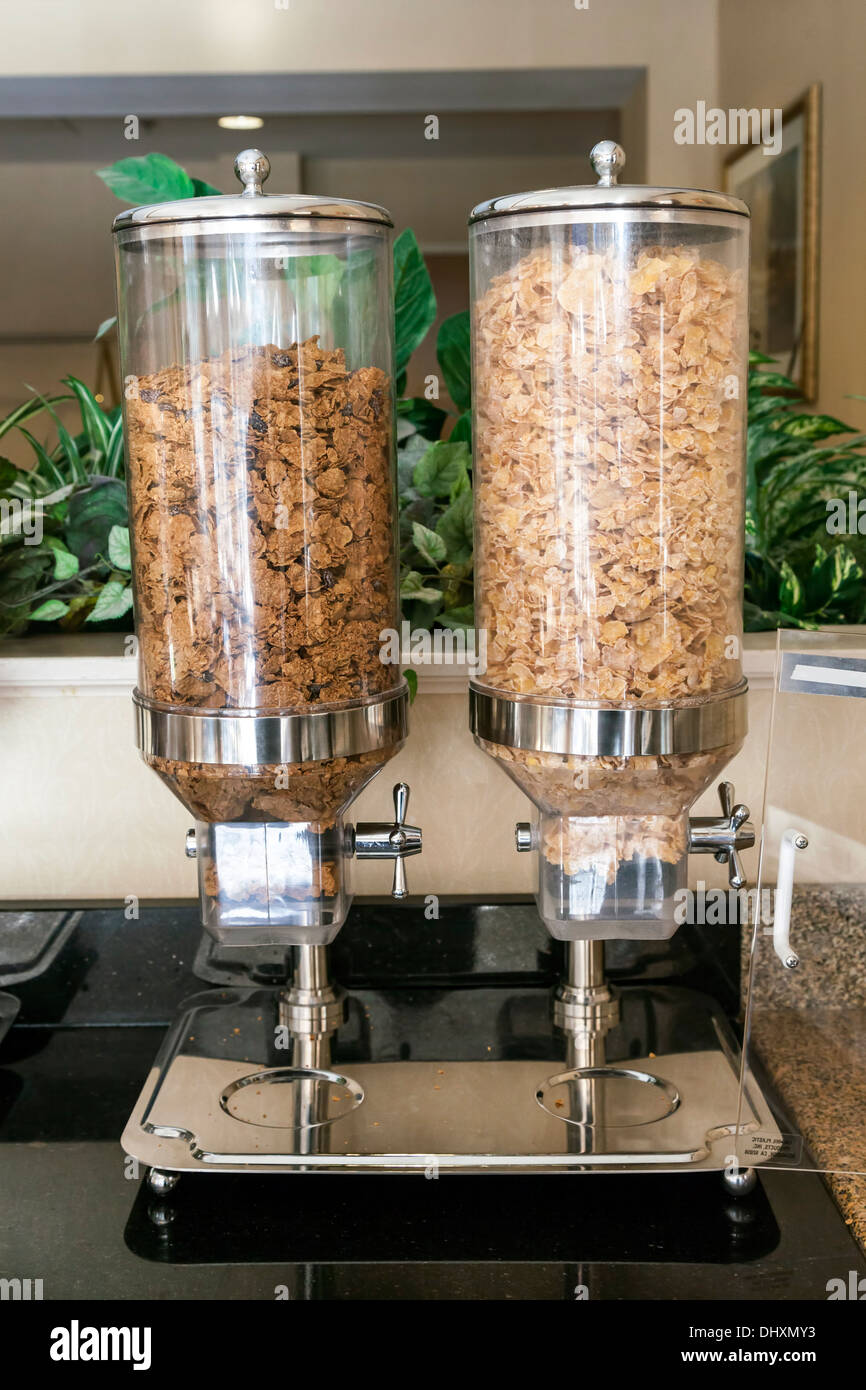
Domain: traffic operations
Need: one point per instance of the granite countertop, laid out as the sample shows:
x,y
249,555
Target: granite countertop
x,y
809,1029
88,1029
816,1057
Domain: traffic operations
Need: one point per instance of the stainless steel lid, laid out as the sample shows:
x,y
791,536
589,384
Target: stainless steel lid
x,y
252,168
608,160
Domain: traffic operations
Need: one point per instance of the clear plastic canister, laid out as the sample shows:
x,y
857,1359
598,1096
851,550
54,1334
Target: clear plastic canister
x,y
256,338
257,349
609,330
609,360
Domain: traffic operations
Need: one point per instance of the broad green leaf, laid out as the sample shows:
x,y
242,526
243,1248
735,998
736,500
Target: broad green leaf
x,y
92,513
834,578
205,190
118,548
81,604
50,610
423,510
148,178
65,563
790,590
761,405
411,678
777,380
423,616
814,426
22,571
428,544
455,358
458,584
440,467
306,267
462,429
413,587
426,417
414,300
757,619
765,442
409,455
455,528
459,619
462,483
114,600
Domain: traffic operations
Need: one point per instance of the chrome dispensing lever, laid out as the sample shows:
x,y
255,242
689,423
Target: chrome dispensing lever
x,y
724,836
381,840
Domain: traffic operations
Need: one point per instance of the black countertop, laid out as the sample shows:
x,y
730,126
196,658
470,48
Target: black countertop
x,y
75,1213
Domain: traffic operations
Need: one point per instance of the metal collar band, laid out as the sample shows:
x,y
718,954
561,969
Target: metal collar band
x,y
249,740
536,726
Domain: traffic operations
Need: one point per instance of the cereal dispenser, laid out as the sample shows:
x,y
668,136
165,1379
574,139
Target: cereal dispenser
x,y
609,356
257,352
609,330
609,359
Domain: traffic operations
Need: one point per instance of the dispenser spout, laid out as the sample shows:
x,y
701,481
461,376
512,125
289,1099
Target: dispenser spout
x,y
381,840
724,836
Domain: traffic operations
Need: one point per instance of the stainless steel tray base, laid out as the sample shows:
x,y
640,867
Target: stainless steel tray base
x,y
223,1097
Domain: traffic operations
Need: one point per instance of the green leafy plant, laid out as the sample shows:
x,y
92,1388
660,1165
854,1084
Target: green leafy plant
x,y
64,537
62,521
798,574
433,473
153,178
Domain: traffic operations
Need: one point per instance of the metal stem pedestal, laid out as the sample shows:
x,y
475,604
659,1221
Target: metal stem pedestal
x,y
258,1081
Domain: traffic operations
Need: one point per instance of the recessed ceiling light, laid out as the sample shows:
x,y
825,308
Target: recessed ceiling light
x,y
240,122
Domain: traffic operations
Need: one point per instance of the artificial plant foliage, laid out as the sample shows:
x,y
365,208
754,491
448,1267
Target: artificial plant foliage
x,y
57,557
152,178
798,573
414,302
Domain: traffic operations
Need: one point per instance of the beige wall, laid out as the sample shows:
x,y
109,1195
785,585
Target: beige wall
x,y
435,198
769,53
675,40
734,52
82,817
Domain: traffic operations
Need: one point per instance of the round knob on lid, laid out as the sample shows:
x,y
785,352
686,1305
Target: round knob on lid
x,y
608,160
252,168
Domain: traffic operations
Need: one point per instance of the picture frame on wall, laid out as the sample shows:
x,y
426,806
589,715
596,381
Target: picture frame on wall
x,y
783,194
